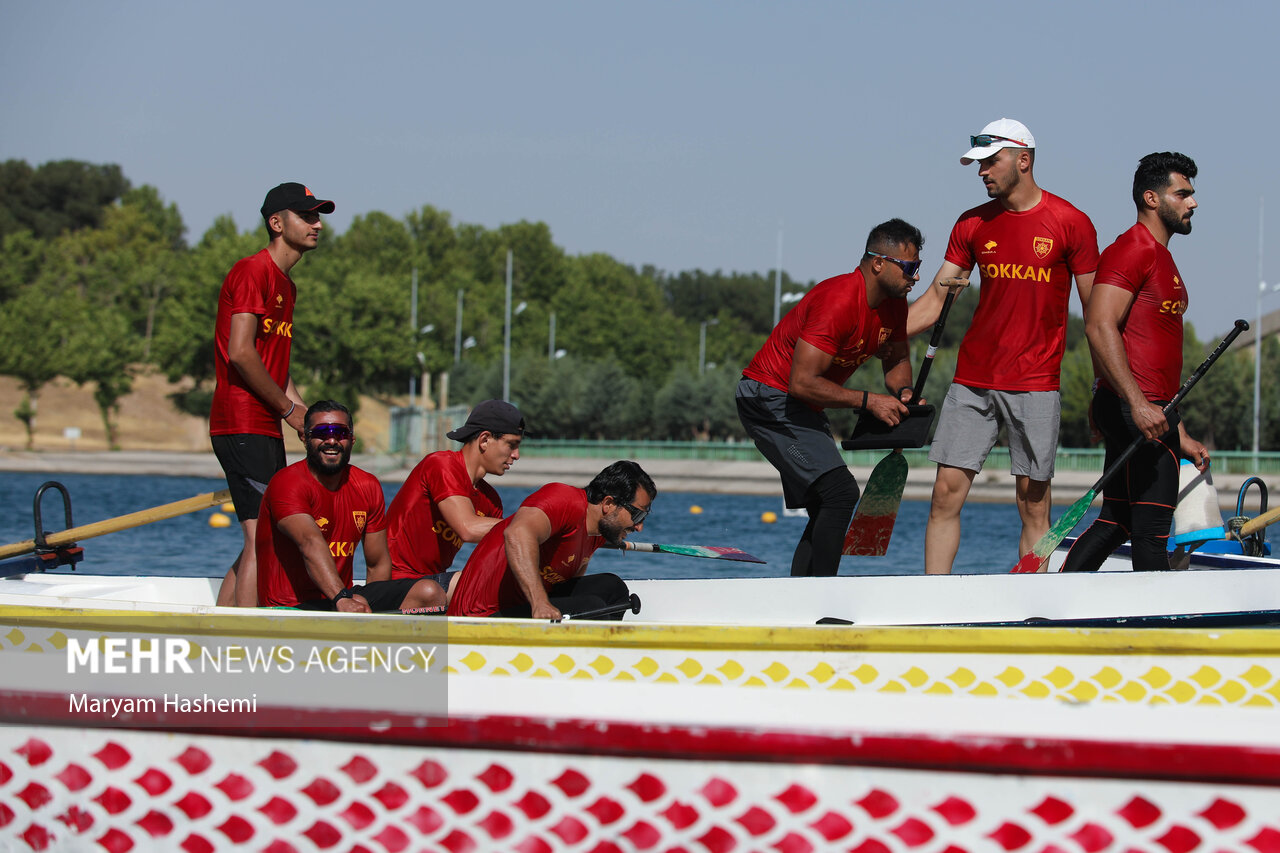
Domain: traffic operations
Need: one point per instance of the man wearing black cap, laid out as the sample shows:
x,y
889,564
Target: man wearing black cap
x,y
253,335
445,501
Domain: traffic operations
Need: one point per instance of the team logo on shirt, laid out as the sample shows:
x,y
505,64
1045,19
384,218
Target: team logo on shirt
x,y
989,246
279,300
1177,283
1042,246
358,516
322,522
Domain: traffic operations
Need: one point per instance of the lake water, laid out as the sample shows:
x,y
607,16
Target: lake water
x,y
187,545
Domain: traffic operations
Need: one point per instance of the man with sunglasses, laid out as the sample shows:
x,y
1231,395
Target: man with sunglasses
x,y
1027,244
1134,325
801,370
314,513
533,563
253,336
445,501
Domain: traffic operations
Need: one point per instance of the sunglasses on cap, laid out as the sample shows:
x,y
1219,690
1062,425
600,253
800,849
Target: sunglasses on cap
x,y
327,432
982,140
909,268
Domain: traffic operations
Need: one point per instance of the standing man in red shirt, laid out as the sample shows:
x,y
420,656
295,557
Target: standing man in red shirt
x,y
253,336
534,563
314,513
1134,324
1027,244
801,370
445,501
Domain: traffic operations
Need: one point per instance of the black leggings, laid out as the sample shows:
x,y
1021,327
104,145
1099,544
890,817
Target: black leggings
x,y
580,594
830,502
1138,502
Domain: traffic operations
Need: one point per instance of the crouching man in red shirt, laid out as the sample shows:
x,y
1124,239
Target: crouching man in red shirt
x,y
314,513
533,563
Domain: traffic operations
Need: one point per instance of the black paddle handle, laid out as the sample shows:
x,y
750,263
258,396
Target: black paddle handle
x,y
632,604
934,340
1241,326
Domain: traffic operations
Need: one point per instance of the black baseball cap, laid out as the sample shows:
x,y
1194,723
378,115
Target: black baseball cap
x,y
295,197
492,415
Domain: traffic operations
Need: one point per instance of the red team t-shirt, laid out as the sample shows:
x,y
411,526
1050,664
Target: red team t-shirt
x,y
487,584
1026,260
343,517
421,541
255,285
834,317
1152,332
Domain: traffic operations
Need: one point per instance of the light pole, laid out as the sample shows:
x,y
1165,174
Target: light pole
x,y
702,344
551,339
506,336
1263,289
457,331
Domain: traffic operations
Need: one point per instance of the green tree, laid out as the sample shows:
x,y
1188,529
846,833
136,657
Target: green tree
x,y
33,342
58,196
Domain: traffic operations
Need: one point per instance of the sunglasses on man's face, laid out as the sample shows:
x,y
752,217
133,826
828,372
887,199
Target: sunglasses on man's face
x,y
330,432
909,268
637,515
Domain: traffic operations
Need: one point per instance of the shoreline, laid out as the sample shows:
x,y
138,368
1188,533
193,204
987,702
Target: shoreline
x,y
671,475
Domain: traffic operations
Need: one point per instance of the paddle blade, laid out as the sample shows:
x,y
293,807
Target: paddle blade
x,y
872,524
1034,559
711,552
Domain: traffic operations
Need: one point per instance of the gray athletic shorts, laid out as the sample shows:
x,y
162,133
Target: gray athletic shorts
x,y
971,419
793,437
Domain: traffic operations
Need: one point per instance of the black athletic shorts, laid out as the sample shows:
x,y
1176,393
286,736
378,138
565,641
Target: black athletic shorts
x,y
248,457
381,595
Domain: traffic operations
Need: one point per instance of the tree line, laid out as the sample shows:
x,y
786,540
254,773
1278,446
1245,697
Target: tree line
x,y
98,282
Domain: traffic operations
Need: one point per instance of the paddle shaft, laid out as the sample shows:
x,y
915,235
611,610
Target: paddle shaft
x,y
711,553
112,525
1034,559
1256,523
934,340
1195,377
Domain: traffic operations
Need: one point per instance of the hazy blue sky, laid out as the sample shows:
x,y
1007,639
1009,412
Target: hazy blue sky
x,y
679,134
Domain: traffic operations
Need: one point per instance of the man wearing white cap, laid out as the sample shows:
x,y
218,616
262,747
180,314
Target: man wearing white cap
x,y
1027,244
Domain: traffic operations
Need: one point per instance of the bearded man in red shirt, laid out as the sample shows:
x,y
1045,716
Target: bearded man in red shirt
x,y
1027,244
1134,324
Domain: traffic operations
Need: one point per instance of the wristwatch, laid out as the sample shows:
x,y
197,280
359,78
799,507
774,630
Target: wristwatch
x,y
345,592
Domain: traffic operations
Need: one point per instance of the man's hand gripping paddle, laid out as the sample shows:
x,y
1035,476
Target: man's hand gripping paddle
x,y
1036,559
872,524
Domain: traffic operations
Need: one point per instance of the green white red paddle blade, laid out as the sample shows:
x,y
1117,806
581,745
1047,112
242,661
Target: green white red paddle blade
x,y
712,552
872,524
1039,555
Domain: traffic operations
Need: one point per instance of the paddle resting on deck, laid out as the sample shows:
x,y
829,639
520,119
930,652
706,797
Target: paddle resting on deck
x,y
872,524
1035,559
123,522
712,552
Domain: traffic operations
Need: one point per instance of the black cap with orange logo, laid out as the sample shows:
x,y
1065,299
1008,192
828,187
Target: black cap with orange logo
x,y
296,197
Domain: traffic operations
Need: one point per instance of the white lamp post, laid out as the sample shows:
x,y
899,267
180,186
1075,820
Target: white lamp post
x,y
702,344
1263,289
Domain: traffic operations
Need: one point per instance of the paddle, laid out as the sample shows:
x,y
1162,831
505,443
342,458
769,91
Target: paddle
x,y
872,524
632,604
712,552
111,525
1035,559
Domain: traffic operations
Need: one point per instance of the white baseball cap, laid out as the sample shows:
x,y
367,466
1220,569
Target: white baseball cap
x,y
1003,133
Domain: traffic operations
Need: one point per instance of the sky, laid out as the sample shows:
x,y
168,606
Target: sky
x,y
679,134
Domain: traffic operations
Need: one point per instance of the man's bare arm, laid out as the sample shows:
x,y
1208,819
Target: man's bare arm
x,y
377,557
897,367
809,385
460,514
1108,307
924,312
523,538
302,530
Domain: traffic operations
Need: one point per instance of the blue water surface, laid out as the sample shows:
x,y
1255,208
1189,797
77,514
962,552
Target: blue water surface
x,y
189,546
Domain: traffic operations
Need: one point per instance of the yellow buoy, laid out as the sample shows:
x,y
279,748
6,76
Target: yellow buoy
x,y
769,517
219,520
695,509
228,507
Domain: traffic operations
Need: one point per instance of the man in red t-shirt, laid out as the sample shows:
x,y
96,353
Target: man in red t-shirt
x,y
1134,324
445,501
1027,244
252,336
801,370
314,513
533,563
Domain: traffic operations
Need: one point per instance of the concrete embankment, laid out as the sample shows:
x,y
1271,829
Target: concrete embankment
x,y
671,475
